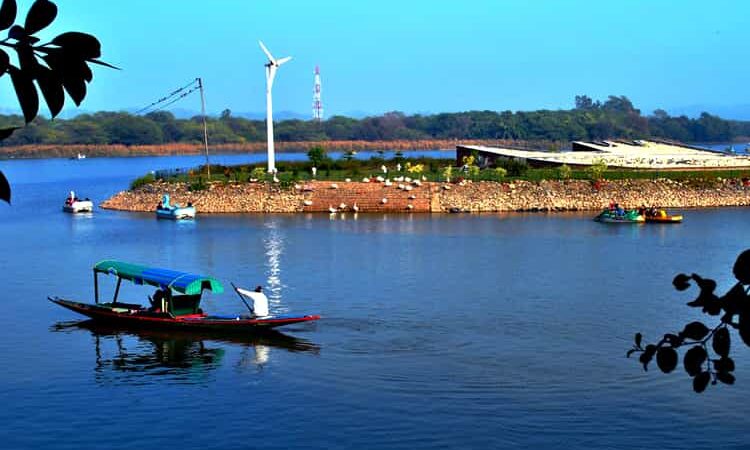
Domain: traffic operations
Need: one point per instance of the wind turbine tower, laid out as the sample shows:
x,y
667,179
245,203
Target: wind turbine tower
x,y
272,66
317,102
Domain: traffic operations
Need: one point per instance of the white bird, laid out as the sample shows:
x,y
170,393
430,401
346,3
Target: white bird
x,y
407,179
365,180
400,186
331,209
408,188
409,206
348,180
384,201
355,208
412,197
424,178
342,206
334,186
380,179
308,202
388,182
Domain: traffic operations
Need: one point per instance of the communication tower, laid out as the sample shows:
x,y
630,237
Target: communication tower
x,y
317,106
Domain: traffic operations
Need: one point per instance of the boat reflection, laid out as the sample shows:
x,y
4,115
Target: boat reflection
x,y
130,355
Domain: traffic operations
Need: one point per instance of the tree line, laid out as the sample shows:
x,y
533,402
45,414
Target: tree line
x,y
615,118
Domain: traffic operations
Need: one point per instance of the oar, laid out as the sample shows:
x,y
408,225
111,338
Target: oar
x,y
242,298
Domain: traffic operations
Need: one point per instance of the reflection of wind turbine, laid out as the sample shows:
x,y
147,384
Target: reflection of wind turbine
x,y
271,66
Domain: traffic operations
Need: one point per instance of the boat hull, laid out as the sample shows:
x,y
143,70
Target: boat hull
x,y
83,206
667,219
627,218
136,316
176,213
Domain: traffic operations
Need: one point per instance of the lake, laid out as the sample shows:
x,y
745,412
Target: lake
x,y
438,331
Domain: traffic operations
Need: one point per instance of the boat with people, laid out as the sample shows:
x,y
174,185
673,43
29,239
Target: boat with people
x,y
657,215
165,210
176,304
619,216
74,204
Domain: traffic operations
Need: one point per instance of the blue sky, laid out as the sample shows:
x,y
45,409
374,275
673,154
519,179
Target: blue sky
x,y
416,56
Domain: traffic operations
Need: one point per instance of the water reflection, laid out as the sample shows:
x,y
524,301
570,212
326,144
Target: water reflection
x,y
134,356
273,243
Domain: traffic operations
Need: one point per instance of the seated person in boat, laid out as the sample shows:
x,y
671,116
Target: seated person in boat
x,y
157,301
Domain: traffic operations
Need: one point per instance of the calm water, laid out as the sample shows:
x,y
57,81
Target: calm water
x,y
456,331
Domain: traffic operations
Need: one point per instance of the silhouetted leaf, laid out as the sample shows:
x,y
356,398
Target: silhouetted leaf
x,y
725,377
26,93
8,12
84,45
4,62
41,14
695,331
700,382
647,355
693,360
71,73
638,339
52,90
741,269
745,329
4,188
733,300
666,359
705,284
102,63
17,32
673,340
724,364
681,282
721,342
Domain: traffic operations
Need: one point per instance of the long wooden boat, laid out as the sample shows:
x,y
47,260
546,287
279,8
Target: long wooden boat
x,y
176,305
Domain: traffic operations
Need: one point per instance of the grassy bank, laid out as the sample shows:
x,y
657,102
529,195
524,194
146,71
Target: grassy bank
x,y
428,169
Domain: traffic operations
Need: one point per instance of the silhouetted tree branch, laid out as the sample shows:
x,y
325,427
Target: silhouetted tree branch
x,y
55,67
705,365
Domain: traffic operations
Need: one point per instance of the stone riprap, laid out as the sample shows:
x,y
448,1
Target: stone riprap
x,y
324,196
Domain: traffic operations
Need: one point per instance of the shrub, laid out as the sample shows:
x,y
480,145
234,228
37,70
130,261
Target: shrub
x,y
258,173
564,172
500,173
447,172
515,167
142,181
596,170
317,155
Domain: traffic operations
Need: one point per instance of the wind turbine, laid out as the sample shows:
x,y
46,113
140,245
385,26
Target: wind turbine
x,y
271,67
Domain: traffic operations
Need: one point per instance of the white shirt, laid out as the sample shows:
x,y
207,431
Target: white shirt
x,y
260,303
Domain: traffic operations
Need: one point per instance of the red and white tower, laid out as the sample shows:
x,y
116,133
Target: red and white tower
x,y
317,105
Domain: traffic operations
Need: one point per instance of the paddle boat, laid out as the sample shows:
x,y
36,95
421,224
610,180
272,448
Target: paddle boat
x,y
175,304
174,212
612,216
74,204
654,215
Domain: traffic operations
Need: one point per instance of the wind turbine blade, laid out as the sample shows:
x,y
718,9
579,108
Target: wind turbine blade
x,y
283,60
265,50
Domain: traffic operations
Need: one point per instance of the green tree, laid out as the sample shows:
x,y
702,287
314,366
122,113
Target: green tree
x,y
317,155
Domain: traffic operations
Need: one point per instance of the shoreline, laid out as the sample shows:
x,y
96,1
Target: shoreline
x,y
436,197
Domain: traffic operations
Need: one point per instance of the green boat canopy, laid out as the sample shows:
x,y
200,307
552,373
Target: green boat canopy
x,y
185,283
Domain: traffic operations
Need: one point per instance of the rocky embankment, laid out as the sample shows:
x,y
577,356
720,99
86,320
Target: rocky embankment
x,y
322,196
